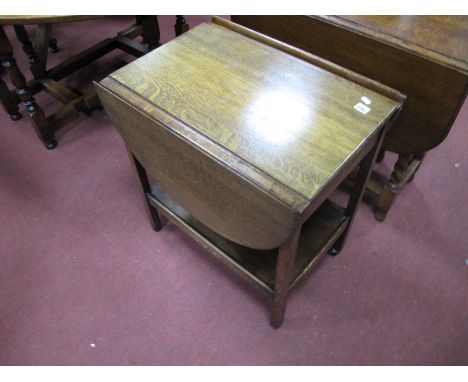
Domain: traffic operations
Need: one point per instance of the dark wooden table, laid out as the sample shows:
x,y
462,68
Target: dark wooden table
x,y
48,79
246,138
424,57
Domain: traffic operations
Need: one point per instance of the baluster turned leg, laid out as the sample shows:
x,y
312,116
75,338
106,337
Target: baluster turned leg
x,y
151,33
39,120
180,26
392,187
9,102
284,272
27,46
418,158
404,171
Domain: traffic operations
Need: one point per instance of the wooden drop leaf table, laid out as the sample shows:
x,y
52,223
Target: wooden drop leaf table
x,y
423,56
246,138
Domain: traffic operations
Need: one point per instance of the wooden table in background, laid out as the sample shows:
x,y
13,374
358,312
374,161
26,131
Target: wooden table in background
x,y
424,57
247,138
48,80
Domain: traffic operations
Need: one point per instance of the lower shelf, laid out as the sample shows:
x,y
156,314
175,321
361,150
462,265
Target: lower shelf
x,y
317,236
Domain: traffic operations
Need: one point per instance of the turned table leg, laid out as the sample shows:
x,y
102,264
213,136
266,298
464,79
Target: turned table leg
x,y
180,26
145,189
37,68
9,102
284,272
404,172
38,118
151,32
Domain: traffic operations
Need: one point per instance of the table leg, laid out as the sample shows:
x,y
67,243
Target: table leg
x,y
145,188
27,46
41,46
9,102
39,120
284,271
151,32
404,172
365,169
180,26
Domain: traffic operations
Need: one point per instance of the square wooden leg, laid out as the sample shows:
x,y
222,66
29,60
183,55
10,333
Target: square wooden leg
x,y
284,268
359,188
145,188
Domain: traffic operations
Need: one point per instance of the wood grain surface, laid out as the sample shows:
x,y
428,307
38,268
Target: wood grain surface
x,y
290,119
443,39
424,57
248,139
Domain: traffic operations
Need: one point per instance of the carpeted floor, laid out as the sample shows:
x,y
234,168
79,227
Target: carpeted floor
x,y
85,280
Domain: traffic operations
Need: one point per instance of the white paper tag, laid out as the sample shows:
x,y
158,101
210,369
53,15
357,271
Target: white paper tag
x,y
366,100
360,107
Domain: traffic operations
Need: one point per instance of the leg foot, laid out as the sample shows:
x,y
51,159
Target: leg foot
x,y
51,145
15,116
155,220
385,201
284,270
380,215
276,323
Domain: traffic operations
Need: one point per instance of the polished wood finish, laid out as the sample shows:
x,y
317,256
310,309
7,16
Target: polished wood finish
x,y
245,152
310,94
424,57
46,127
440,39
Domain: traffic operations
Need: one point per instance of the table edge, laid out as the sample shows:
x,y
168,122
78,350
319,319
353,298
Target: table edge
x,y
396,42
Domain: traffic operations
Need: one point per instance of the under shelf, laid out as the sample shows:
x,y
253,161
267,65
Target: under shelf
x,y
317,236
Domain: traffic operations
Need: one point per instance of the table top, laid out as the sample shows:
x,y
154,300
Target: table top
x,y
290,119
442,39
